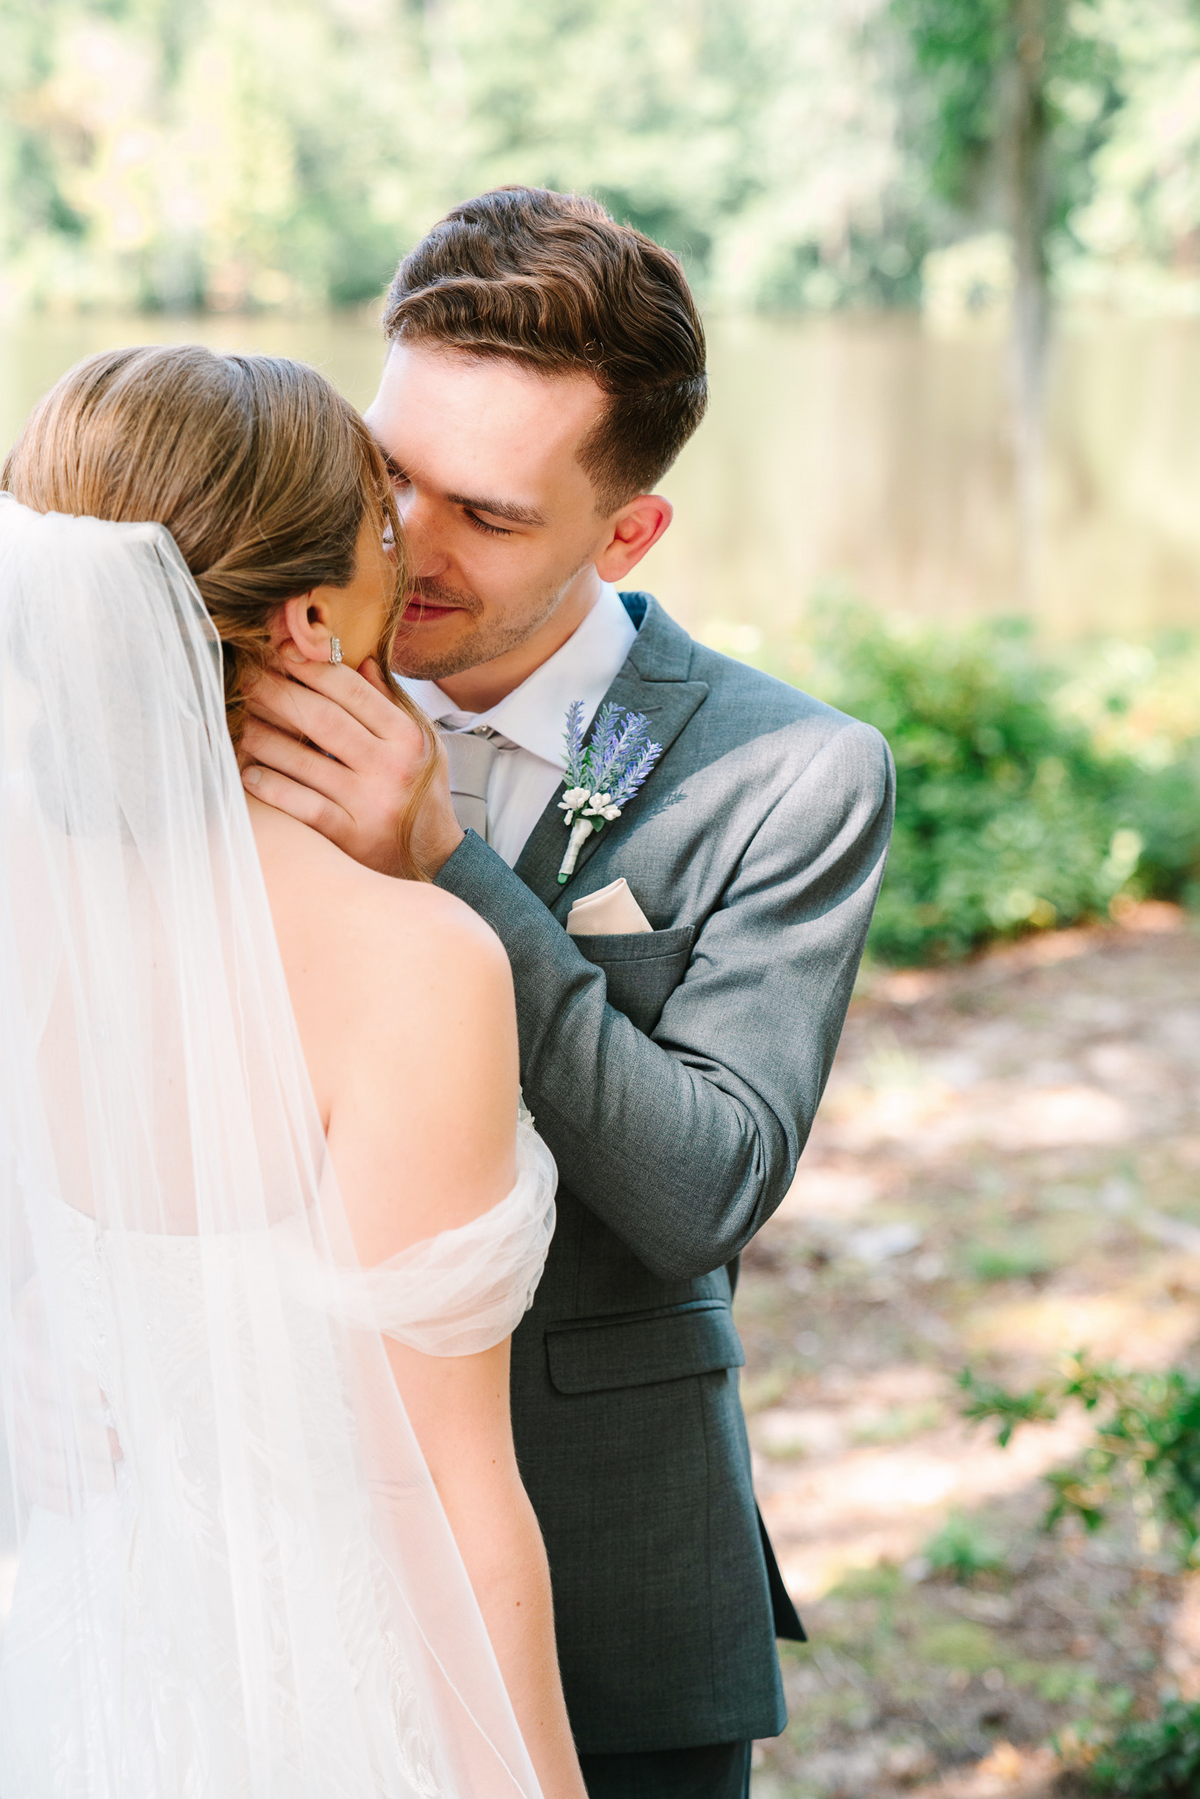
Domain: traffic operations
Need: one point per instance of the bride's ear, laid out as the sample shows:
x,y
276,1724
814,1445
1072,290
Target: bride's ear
x,y
305,622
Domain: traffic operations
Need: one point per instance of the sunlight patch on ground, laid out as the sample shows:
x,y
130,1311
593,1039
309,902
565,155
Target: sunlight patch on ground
x,y
853,1509
1007,1773
1004,1170
934,1118
828,1191
1121,1326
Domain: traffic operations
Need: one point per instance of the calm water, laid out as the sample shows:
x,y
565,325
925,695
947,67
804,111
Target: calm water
x,y
863,453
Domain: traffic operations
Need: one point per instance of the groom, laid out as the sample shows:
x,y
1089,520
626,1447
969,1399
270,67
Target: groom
x,y
545,367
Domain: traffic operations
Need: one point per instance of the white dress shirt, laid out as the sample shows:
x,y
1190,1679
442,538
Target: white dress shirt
x,y
529,721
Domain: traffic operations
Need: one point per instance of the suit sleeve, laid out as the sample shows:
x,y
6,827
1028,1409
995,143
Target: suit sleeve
x,y
685,1142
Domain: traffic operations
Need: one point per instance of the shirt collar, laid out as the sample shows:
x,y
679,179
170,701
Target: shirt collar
x,y
534,714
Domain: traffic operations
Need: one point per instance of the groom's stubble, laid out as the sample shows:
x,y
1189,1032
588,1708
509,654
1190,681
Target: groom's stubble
x,y
481,634
501,519
545,367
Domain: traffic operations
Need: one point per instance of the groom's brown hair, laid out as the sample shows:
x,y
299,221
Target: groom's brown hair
x,y
553,282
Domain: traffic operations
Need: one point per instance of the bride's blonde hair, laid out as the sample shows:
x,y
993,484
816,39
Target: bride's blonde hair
x,y
259,469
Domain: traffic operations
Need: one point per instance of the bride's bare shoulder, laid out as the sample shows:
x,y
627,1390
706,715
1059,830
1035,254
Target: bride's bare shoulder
x,y
403,998
357,921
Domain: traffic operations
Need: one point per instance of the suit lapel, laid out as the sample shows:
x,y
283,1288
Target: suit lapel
x,y
654,681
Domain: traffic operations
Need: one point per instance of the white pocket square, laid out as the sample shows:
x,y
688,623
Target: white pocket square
x,y
612,912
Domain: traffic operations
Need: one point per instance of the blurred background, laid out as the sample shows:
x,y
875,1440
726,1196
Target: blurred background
x,y
949,257
858,189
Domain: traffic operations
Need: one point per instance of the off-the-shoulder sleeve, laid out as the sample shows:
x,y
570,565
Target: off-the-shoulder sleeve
x,y
464,1290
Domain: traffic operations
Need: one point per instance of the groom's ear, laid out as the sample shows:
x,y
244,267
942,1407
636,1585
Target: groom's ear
x,y
632,531
305,622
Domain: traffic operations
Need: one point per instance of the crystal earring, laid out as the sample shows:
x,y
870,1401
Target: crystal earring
x,y
335,649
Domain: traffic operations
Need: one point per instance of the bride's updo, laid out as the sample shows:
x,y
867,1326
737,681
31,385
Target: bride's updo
x,y
257,466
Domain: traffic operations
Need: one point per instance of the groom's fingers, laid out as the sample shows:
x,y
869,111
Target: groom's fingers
x,y
375,739
300,802
355,785
277,749
359,693
303,712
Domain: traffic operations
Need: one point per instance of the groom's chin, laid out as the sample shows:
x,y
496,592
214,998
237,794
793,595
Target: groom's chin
x,y
433,648
429,653
434,640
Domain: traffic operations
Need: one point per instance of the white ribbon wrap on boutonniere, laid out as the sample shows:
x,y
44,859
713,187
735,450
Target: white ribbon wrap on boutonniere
x,y
605,775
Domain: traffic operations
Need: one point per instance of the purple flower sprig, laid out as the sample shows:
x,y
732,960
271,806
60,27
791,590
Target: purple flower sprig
x,y
603,776
635,774
574,741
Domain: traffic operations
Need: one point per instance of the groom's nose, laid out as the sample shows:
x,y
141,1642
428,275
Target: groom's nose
x,y
426,547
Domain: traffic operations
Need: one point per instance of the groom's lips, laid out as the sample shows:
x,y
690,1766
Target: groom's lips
x,y
423,612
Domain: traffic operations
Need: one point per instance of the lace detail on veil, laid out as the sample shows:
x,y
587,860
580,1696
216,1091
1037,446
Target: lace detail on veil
x,y
412,1745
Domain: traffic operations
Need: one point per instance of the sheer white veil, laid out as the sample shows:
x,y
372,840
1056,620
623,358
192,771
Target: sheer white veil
x,y
224,1568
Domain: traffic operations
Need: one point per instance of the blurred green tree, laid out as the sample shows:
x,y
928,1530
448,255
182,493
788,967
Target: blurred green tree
x,y
246,152
798,153
1020,96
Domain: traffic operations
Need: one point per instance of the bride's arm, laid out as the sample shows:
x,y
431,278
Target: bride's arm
x,y
412,1029
458,1406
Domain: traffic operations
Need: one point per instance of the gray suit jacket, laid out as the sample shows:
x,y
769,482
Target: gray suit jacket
x,y
675,1075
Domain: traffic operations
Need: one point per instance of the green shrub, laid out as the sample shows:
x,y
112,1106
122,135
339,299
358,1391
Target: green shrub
x,y
1015,810
958,1643
1014,1259
1156,1760
963,1548
1146,1441
883,1580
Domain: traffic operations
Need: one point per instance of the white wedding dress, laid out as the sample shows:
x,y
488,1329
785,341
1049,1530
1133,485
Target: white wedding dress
x,y
144,1571
233,1576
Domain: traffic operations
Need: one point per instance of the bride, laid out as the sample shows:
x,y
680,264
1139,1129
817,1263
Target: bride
x,y
259,1504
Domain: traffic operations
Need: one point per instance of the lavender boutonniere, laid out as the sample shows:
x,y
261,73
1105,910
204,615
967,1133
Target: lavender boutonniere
x,y
604,776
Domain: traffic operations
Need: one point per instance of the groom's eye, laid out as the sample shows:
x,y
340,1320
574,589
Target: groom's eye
x,y
481,524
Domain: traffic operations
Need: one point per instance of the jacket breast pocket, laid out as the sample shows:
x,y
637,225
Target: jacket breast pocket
x,y
642,969
670,1343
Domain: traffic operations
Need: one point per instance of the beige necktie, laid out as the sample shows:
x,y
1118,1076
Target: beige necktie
x,y
471,755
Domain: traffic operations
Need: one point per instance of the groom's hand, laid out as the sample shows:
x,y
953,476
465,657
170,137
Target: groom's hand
x,y
357,791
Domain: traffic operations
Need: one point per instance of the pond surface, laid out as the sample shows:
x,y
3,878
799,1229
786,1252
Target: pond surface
x,y
869,455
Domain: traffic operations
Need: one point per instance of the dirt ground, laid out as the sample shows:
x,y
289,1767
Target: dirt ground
x,y
1006,1167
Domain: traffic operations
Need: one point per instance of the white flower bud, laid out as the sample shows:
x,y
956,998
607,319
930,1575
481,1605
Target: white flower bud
x,y
601,806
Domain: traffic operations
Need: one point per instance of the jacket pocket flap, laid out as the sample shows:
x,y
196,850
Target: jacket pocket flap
x,y
637,946
696,1338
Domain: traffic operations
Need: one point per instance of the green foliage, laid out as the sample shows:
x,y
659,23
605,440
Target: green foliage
x,y
881,1581
1009,815
960,1643
958,46
963,1548
1155,1760
1014,1259
184,151
985,1400
798,153
964,50
1146,1443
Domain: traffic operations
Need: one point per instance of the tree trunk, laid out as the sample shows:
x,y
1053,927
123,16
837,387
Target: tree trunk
x,y
1024,175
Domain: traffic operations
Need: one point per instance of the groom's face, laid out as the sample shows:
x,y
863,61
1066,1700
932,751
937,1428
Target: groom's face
x,y
500,517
